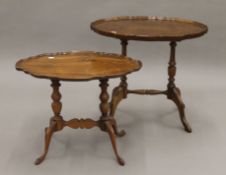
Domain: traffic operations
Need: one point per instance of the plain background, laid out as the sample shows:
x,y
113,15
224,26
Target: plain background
x,y
155,142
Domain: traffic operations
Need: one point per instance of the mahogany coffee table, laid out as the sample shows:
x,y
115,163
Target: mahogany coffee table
x,y
145,28
80,66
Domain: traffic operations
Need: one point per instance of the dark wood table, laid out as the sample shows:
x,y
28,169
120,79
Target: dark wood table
x,y
144,28
80,66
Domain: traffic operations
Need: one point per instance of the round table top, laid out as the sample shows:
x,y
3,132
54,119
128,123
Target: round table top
x,y
72,66
149,28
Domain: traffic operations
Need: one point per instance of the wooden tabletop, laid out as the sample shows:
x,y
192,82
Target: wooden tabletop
x,y
78,66
149,28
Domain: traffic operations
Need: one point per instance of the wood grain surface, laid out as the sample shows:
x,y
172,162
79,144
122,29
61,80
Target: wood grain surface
x,y
149,28
78,66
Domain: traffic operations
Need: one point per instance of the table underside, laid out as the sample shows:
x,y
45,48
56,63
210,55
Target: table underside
x,y
172,92
106,122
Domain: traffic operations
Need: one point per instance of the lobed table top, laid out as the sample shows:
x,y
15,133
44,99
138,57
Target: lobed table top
x,y
148,28
72,66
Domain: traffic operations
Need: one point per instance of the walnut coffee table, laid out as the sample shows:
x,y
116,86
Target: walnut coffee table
x,y
145,28
80,66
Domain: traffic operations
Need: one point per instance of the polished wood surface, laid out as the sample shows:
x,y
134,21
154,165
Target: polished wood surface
x,y
173,92
106,122
78,65
153,28
149,28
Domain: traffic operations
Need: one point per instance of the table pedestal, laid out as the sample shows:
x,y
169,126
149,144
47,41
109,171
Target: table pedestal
x,y
106,122
173,93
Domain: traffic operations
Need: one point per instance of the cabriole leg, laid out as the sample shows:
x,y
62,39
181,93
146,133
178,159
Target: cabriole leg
x,y
112,136
56,122
120,92
108,122
173,92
